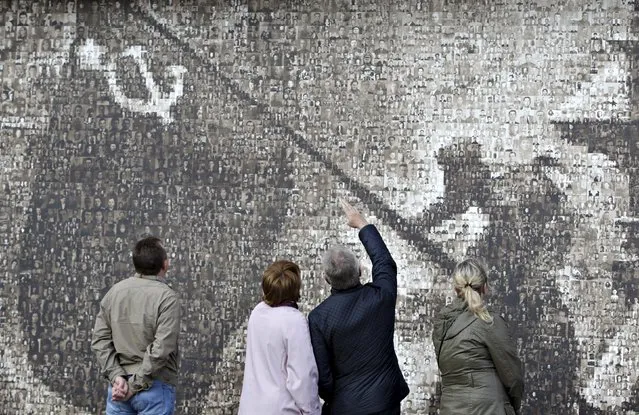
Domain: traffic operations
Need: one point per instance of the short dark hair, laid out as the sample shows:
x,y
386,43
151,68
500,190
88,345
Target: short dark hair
x,y
149,256
281,282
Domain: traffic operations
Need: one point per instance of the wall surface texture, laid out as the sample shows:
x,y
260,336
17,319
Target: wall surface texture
x,y
507,130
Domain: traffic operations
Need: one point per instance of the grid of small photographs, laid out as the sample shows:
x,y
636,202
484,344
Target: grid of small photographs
x,y
507,130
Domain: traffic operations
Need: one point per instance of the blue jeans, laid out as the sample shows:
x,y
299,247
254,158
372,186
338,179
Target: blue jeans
x,y
159,399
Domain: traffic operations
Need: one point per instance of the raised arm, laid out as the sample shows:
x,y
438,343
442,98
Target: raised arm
x,y
504,354
165,343
301,369
384,267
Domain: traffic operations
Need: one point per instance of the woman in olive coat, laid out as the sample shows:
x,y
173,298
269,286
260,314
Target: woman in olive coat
x,y
480,371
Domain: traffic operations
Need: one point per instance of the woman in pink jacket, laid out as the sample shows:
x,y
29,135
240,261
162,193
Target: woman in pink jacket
x,y
280,374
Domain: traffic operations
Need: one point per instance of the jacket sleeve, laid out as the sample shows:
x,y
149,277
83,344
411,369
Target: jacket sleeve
x,y
301,369
384,267
504,354
102,345
323,360
165,343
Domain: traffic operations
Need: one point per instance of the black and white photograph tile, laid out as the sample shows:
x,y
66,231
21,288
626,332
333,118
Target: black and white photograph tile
x,y
506,130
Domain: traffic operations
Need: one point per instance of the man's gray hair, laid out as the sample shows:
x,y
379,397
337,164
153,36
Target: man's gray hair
x,y
341,267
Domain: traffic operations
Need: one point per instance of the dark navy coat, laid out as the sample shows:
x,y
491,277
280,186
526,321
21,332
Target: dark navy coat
x,y
352,335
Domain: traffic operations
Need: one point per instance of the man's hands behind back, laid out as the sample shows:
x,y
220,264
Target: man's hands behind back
x,y
120,390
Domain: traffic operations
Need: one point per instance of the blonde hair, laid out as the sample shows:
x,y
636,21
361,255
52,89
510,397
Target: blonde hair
x,y
469,277
281,282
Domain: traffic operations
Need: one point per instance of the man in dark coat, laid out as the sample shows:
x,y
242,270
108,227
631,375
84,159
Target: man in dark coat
x,y
352,330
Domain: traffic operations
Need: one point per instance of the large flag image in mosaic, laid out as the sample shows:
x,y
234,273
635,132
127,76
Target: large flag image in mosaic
x,y
231,131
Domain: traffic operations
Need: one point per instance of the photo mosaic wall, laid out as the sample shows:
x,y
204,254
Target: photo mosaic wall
x,y
507,130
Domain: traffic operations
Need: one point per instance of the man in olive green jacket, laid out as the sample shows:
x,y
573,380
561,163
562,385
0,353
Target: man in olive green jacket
x,y
480,370
136,336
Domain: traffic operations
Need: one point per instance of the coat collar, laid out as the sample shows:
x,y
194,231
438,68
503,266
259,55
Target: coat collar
x,y
455,317
348,290
152,278
464,320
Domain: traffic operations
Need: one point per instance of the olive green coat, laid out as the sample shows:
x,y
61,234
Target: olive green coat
x,y
481,373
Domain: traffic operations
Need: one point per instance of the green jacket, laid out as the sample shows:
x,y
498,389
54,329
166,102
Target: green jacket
x,y
480,371
136,332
